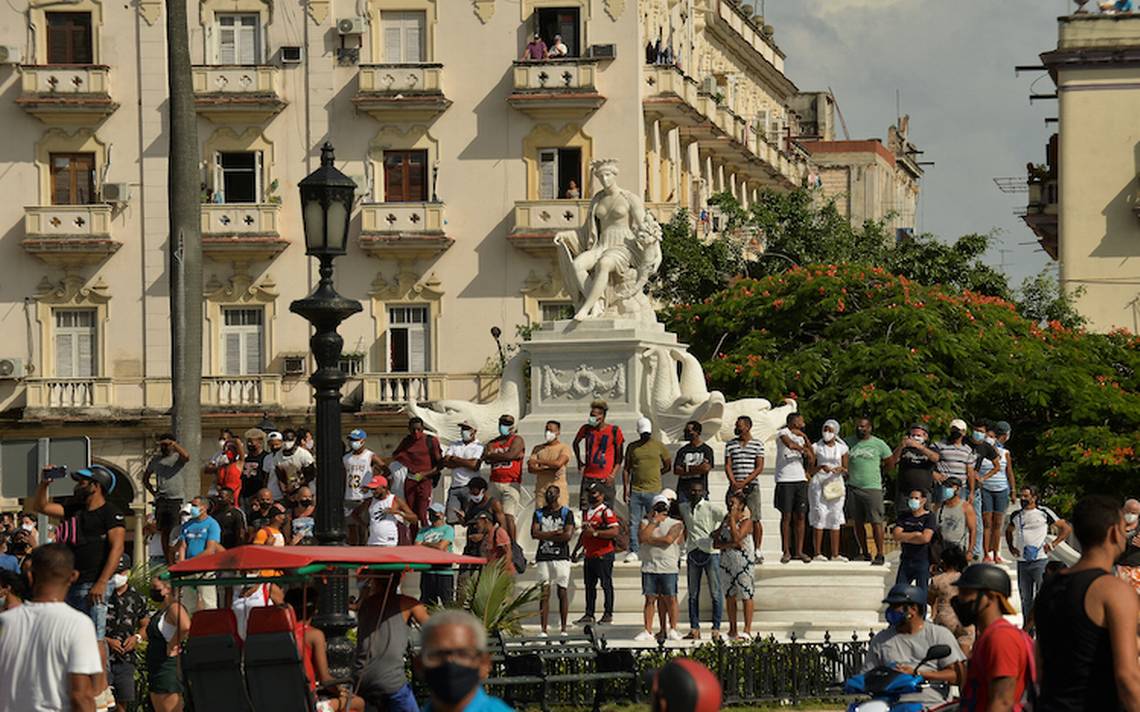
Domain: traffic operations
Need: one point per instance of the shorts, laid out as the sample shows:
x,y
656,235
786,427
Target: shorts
x,y
995,501
509,495
77,599
608,489
791,497
123,679
554,572
541,482
457,500
166,513
755,501
658,584
163,679
866,504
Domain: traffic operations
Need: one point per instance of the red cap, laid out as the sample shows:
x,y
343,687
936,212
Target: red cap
x,y
377,481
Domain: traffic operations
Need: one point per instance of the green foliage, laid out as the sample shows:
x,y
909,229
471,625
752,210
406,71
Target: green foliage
x,y
1042,299
693,269
490,596
853,340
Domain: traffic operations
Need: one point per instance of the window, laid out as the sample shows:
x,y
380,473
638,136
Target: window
x,y
408,340
557,168
239,39
405,176
352,364
556,311
72,178
69,38
563,21
242,338
238,176
75,343
403,33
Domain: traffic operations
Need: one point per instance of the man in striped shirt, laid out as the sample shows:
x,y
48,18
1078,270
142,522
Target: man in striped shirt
x,y
743,463
957,461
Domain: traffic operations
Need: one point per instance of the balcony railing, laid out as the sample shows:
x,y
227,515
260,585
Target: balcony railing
x,y
69,235
69,392
556,87
412,230
62,94
538,221
232,391
392,389
229,93
241,232
401,91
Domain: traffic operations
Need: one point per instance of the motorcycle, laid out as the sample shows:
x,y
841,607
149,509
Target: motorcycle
x,y
886,685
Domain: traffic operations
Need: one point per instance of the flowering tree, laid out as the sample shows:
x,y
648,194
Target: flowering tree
x,y
850,340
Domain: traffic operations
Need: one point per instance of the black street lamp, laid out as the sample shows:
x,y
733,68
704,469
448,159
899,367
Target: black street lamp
x,y
326,205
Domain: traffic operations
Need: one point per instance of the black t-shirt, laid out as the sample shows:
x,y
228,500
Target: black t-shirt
x,y
254,474
911,524
255,519
916,471
690,455
85,531
231,520
985,451
553,522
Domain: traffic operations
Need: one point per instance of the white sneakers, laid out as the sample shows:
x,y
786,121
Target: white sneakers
x,y
105,700
631,558
674,635
644,637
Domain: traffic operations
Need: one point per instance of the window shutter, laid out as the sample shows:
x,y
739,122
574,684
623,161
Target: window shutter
x,y
417,348
64,356
247,40
547,178
413,37
231,354
85,355
252,340
227,41
393,52
258,189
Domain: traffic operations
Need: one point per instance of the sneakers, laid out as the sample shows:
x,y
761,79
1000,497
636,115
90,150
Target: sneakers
x,y
820,557
563,633
644,637
105,700
542,634
606,619
841,558
674,635
631,558
878,561
585,620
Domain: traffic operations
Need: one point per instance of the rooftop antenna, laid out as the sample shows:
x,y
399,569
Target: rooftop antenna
x,y
842,121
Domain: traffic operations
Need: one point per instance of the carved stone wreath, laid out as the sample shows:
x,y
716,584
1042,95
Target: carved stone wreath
x,y
583,381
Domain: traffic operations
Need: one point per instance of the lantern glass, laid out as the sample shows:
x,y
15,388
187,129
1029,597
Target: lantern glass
x,y
336,223
314,217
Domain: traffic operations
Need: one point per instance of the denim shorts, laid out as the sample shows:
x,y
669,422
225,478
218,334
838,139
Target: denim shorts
x,y
658,584
995,501
77,599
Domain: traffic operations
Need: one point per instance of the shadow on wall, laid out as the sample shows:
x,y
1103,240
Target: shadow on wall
x,y
498,272
1121,220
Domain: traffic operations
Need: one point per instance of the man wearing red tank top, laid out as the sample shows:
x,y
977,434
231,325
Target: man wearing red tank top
x,y
505,456
605,446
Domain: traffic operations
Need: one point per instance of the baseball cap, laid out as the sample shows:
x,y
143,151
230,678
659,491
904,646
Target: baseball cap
x,y
466,425
921,426
437,508
660,499
277,508
960,425
185,510
376,481
274,436
669,495
358,434
644,426
97,473
1002,428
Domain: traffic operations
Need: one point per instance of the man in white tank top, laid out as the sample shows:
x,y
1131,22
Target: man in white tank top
x,y
383,514
360,464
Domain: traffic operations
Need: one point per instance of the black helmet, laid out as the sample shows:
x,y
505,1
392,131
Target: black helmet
x,y
100,474
985,577
905,593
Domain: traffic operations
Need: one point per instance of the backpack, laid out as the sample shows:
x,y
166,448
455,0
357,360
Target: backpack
x,y
621,541
518,558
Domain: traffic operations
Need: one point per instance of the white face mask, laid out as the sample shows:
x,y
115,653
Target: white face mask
x,y
308,444
477,498
920,439
356,444
989,440
828,436
551,436
290,444
221,444
27,527
1131,517
467,435
119,580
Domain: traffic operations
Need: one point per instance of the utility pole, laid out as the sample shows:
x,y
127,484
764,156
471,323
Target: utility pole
x,y
185,246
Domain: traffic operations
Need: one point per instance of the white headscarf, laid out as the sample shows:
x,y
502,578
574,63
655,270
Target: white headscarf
x,y
834,425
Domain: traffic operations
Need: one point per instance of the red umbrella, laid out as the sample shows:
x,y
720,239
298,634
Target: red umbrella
x,y
255,558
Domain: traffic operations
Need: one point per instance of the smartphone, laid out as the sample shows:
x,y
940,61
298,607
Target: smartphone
x,y
56,473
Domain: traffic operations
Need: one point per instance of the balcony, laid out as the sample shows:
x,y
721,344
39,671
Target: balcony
x,y
66,94
401,92
69,235
241,232
241,391
556,88
671,96
397,389
237,94
1041,210
65,393
404,230
538,221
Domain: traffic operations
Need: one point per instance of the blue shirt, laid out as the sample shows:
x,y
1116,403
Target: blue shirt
x,y
481,702
9,563
434,535
196,533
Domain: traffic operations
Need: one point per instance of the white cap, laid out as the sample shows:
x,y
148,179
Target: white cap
x,y
668,494
644,426
960,425
274,436
660,499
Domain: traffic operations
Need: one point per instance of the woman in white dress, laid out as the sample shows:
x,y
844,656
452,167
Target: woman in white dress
x,y
827,490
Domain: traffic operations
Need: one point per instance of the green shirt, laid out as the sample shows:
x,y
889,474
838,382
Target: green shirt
x,y
645,459
700,524
866,463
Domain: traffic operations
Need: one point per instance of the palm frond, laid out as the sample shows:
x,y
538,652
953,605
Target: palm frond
x,y
490,596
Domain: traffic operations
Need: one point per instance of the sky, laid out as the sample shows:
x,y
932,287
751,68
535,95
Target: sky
x,y
952,64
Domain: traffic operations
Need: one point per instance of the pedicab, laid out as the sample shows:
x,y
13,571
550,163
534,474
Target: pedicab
x,y
265,670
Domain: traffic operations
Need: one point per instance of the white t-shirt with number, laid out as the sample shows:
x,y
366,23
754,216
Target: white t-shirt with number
x,y
789,462
358,471
41,646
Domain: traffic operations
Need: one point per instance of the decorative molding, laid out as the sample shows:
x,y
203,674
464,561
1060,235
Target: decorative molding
x,y
318,10
585,8
537,289
614,8
150,10
406,287
583,381
241,288
484,10
72,289
207,9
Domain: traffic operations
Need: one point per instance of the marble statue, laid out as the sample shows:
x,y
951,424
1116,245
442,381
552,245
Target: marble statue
x,y
444,417
606,269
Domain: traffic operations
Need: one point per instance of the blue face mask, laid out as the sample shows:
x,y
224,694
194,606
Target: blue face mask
x,y
504,429
948,493
914,504
978,436
195,512
895,616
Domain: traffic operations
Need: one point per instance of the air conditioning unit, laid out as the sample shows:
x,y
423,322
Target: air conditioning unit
x,y
10,55
11,369
294,365
602,51
117,193
350,26
291,54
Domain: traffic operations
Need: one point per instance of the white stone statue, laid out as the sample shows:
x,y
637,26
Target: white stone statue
x,y
606,271
444,417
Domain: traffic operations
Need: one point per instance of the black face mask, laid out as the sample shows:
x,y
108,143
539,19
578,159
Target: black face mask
x,y
967,612
304,503
156,595
1024,503
690,436
644,437
861,432
551,499
451,682
737,431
